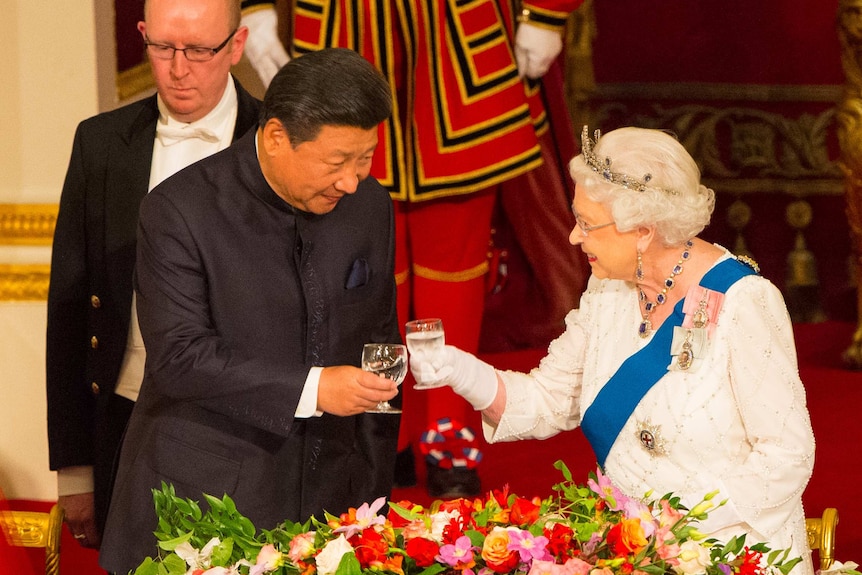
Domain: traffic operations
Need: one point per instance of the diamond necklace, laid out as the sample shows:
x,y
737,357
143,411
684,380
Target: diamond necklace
x,y
645,327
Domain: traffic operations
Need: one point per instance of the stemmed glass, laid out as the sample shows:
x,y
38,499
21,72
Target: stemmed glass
x,y
427,335
388,360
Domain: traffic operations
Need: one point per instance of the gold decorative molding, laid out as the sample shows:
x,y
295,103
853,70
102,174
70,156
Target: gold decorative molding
x,y
133,81
849,119
580,82
27,224
24,282
702,91
742,149
25,528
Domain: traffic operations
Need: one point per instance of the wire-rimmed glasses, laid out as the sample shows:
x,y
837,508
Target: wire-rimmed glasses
x,y
192,53
586,229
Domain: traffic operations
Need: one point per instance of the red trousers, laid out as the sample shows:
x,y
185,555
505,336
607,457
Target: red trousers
x,y
441,262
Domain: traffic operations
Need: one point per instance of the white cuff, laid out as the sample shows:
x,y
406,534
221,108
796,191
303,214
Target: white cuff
x,y
74,480
307,406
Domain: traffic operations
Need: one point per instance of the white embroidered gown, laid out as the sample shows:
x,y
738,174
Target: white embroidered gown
x,y
735,421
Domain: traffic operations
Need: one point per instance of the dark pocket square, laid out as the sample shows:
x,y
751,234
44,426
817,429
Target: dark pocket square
x,y
358,274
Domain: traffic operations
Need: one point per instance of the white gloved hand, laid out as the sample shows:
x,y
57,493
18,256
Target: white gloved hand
x,y
467,375
536,49
263,48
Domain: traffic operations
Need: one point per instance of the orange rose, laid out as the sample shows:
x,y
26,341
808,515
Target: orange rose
x,y
626,537
496,553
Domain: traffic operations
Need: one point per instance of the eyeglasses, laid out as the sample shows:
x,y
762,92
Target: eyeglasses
x,y
192,53
585,229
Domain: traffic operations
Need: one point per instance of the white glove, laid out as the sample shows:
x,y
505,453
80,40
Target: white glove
x,y
536,49
263,48
467,375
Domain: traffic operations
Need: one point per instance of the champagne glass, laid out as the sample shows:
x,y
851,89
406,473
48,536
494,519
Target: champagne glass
x,y
427,335
388,360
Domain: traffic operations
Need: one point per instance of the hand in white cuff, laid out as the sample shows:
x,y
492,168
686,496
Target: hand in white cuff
x,y
263,48
536,49
467,375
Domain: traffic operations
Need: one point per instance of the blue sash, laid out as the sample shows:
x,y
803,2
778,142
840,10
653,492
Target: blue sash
x,y
616,401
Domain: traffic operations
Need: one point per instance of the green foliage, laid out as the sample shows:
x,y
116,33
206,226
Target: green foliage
x,y
181,520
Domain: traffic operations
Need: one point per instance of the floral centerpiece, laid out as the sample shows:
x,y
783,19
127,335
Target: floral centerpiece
x,y
591,529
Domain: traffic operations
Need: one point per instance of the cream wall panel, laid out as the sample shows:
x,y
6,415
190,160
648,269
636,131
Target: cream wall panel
x,y
49,86
24,442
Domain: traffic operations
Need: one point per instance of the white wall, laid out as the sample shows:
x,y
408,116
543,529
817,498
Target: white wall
x,y
50,85
60,66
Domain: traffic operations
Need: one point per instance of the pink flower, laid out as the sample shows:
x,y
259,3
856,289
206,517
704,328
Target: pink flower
x,y
635,509
548,568
301,546
604,487
366,516
669,516
268,559
578,566
458,555
528,546
414,529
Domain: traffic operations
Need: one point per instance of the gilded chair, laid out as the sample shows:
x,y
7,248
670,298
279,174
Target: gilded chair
x,y
36,529
821,535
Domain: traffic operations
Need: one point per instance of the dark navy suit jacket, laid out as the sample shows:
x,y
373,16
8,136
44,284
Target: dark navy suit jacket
x,y
239,295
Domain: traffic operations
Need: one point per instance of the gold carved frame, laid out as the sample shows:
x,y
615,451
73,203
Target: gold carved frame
x,y
26,225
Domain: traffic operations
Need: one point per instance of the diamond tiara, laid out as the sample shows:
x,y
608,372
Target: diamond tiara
x,y
604,168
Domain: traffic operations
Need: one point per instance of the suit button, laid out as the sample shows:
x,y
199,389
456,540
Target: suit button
x,y
94,342
95,301
94,387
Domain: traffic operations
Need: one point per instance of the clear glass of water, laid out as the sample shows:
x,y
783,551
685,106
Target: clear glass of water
x,y
425,334
388,360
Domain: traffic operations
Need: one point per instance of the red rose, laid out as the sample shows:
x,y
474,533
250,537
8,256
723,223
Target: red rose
x,y
559,540
524,511
422,551
370,548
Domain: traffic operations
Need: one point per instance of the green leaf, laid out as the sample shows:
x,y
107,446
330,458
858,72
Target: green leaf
x,y
171,544
221,555
563,469
349,565
787,566
433,569
148,567
175,564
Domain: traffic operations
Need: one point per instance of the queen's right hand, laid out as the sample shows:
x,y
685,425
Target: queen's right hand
x,y
467,375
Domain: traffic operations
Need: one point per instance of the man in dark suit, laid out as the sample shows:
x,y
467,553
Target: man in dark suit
x,y
261,272
94,354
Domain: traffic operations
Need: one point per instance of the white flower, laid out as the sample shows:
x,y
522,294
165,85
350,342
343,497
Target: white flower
x,y
693,558
234,570
331,554
197,559
439,521
839,567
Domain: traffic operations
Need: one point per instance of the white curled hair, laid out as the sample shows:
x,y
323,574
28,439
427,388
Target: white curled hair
x,y
674,201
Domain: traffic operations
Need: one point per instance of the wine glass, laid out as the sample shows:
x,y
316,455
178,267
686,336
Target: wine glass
x,y
427,335
388,360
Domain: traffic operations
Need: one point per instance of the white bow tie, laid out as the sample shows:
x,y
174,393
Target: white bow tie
x,y
168,135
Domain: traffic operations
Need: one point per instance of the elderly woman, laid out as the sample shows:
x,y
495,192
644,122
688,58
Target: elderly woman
x,y
679,364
